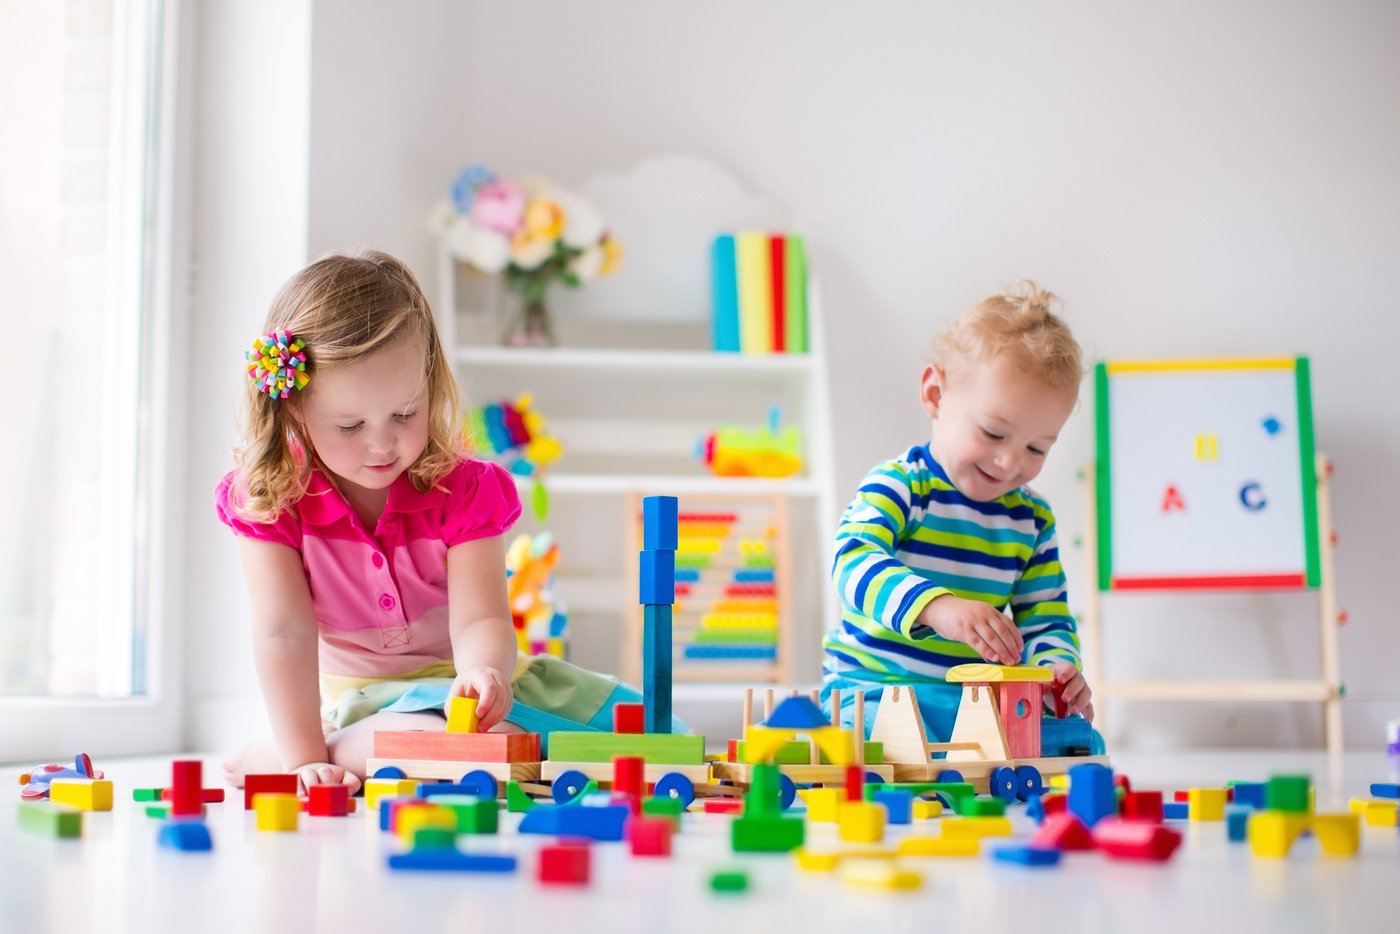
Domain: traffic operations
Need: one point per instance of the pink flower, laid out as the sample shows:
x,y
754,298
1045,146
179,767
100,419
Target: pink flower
x,y
499,205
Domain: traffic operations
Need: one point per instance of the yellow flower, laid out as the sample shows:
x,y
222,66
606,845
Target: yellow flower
x,y
529,251
612,255
544,219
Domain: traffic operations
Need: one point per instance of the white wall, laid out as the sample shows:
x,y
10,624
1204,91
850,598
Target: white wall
x,y
1208,179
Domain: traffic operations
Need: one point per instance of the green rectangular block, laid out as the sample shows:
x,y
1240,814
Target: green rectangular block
x,y
952,791
145,794
161,810
517,801
666,748
1288,793
474,815
50,820
798,752
767,834
981,806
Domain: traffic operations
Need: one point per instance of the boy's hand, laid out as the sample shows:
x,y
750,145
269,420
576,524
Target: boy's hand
x,y
323,773
491,689
984,627
1075,690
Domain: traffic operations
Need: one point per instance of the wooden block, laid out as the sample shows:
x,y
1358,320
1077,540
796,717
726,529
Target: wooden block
x,y
824,804
1377,813
276,811
629,718
795,752
679,749
457,747
940,846
409,820
657,584
878,874
565,863
277,783
963,827
377,788
473,814
328,800
656,666
1206,804
461,715
186,787
926,810
50,819
451,770
861,822
85,794
1338,834
660,523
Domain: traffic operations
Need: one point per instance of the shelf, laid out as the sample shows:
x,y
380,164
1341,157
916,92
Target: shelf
x,y
563,483
664,361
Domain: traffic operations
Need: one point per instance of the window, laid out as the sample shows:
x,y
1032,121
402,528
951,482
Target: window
x,y
86,91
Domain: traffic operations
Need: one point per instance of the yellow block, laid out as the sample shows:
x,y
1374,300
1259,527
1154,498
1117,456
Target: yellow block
x,y
85,794
411,820
1206,803
925,810
763,742
1381,813
976,827
878,874
1058,782
940,846
861,822
982,673
1358,805
1338,834
1271,833
816,862
376,788
461,715
276,811
824,804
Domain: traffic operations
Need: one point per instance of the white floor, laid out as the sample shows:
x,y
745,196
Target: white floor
x,y
332,875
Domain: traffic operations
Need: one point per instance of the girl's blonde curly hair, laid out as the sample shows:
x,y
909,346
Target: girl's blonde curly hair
x,y
1022,320
345,307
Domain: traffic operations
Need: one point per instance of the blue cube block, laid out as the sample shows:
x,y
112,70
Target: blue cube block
x,y
1237,822
1175,810
1091,793
188,835
660,525
898,805
1249,794
658,578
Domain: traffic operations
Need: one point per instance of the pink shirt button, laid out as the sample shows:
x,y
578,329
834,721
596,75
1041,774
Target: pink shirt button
x,y
387,602
377,560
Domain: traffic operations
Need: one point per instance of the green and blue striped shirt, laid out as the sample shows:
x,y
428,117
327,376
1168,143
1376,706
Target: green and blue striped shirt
x,y
909,536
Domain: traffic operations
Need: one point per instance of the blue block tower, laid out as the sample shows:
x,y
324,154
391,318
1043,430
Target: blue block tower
x,y
660,534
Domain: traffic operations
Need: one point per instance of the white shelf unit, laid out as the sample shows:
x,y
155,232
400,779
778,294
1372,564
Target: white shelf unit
x,y
630,400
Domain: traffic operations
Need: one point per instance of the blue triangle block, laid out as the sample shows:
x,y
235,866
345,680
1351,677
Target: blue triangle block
x,y
188,835
598,823
797,713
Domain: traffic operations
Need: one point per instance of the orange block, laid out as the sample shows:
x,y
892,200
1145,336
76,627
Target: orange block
x,y
457,747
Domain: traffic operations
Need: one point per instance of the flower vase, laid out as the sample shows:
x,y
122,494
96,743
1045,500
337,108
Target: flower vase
x,y
529,325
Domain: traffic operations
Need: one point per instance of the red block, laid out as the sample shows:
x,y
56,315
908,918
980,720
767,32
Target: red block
x,y
629,778
723,805
457,747
1054,803
328,800
649,836
279,783
1143,806
629,718
855,783
1128,839
1063,831
1181,797
565,863
207,795
1121,781
186,784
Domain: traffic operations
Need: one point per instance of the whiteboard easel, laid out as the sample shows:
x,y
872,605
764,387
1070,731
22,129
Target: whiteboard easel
x,y
1182,568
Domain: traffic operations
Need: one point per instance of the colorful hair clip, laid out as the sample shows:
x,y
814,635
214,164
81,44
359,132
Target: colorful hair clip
x,y
277,364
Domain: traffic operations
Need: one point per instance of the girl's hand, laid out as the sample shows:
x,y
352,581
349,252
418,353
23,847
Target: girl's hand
x,y
323,773
977,624
491,689
1075,691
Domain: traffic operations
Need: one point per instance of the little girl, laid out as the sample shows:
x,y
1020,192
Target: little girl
x,y
371,542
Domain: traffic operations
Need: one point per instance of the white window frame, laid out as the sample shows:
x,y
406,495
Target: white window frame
x,y
138,704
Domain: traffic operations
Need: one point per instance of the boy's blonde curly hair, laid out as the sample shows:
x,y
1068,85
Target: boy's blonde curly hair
x,y
1021,320
344,307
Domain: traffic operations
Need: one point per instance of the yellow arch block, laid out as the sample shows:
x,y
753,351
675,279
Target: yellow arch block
x,y
982,673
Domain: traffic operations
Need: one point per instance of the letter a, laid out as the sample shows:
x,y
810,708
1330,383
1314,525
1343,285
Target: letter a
x,y
1172,501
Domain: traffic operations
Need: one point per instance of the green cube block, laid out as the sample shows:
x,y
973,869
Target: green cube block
x,y
767,834
669,808
434,838
981,806
474,815
160,810
50,819
732,881
1288,793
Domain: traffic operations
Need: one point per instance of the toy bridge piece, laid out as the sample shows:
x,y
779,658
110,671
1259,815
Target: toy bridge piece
x,y
1000,711
793,716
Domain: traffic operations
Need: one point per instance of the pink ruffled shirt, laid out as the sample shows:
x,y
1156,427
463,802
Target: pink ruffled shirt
x,y
380,597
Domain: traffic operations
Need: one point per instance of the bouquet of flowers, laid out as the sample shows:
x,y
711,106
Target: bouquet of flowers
x,y
533,233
